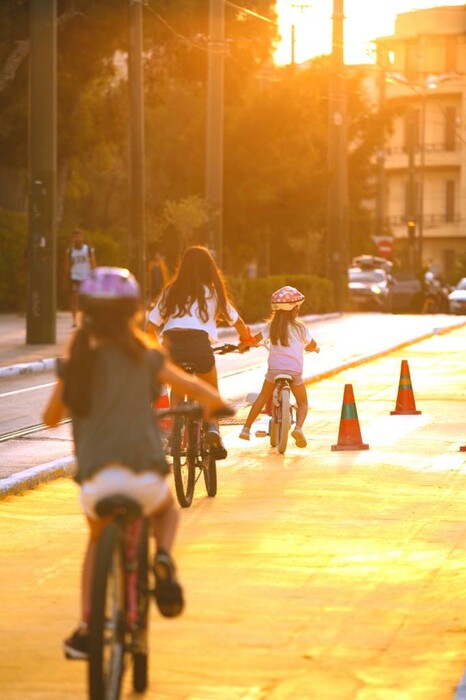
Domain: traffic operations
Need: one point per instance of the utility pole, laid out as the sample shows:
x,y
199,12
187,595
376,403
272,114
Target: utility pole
x,y
214,127
42,292
137,182
411,193
380,198
337,212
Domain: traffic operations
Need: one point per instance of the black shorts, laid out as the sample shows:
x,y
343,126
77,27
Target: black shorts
x,y
190,346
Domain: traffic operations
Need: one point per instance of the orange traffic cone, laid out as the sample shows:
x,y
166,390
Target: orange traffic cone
x,y
405,403
463,448
163,401
349,434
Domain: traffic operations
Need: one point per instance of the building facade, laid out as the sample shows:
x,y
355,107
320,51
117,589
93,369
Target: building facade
x,y
422,169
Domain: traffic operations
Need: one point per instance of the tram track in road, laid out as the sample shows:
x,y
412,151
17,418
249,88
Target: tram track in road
x,y
28,430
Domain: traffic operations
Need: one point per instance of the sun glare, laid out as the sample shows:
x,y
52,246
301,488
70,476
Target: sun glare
x,y
365,20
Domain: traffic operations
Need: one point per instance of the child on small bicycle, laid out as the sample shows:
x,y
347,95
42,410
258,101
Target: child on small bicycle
x,y
187,312
288,340
107,385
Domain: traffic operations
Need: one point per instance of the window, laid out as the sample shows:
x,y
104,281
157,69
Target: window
x,y
449,201
450,128
412,130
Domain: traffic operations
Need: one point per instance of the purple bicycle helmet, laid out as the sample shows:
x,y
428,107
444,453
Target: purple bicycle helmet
x,y
286,299
110,283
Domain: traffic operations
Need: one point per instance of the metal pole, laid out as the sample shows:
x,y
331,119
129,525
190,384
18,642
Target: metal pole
x,y
137,185
412,209
42,292
214,128
337,213
421,179
380,199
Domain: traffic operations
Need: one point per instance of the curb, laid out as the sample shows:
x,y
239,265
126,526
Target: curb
x,y
30,478
381,353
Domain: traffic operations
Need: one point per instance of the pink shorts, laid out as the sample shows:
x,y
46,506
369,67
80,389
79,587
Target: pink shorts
x,y
147,488
296,378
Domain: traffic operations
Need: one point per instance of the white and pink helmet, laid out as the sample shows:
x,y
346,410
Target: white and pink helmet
x,y
286,299
110,283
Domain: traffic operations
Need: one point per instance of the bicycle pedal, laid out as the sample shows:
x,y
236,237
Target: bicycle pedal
x,y
261,433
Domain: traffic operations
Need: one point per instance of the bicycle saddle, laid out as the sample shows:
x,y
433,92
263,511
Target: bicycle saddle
x,y
118,505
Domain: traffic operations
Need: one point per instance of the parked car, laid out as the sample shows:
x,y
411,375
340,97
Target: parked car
x,y
369,288
457,298
407,293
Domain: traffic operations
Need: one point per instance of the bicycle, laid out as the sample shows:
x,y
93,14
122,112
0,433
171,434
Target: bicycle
x,y
190,450
121,589
120,600
282,412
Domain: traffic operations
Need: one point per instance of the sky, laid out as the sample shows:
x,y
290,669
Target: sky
x,y
364,21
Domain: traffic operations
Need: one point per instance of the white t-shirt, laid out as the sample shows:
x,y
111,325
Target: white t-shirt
x,y
192,319
80,261
288,358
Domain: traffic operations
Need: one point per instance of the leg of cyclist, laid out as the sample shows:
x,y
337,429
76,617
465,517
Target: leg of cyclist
x,y
300,394
213,432
168,592
264,395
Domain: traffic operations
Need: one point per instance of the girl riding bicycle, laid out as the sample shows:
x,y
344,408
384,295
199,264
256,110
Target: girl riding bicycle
x,y
107,384
289,339
186,313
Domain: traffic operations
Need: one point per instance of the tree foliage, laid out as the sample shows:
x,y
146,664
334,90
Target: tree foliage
x,y
275,156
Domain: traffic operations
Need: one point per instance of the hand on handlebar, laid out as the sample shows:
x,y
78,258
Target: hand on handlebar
x,y
251,340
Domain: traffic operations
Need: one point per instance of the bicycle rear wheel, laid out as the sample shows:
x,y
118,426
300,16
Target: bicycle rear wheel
x,y
107,624
184,466
209,468
284,423
140,655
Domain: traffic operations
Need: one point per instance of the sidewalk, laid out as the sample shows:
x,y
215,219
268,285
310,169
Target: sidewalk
x,y
15,352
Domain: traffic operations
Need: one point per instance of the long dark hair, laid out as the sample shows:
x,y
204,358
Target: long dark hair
x,y
197,269
280,322
114,321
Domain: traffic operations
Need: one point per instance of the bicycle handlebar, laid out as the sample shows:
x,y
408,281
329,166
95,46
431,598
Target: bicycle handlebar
x,y
224,349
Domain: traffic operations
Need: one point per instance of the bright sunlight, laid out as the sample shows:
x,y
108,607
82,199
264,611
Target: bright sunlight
x,y
365,20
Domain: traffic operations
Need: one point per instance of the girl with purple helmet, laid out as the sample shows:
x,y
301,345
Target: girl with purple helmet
x,y
107,384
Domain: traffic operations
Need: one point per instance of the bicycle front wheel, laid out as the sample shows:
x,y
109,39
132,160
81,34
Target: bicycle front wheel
x,y
140,654
107,624
184,466
284,423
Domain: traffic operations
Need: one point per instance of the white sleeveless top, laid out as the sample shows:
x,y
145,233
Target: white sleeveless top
x,y
80,262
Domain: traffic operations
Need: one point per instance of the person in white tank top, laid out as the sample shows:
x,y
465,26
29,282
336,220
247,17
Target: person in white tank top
x,y
80,260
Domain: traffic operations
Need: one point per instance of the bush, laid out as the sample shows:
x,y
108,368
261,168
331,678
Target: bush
x,y
252,296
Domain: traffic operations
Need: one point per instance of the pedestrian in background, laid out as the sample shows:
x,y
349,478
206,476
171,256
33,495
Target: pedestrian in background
x,y
79,261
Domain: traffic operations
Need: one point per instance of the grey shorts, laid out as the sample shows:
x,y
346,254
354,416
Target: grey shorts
x,y
296,378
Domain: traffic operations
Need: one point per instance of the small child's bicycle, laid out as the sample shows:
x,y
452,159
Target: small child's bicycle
x,y
282,412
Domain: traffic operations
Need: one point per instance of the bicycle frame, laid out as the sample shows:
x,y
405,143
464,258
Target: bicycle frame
x,y
120,600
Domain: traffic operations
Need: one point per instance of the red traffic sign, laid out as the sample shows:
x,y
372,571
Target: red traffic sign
x,y
385,247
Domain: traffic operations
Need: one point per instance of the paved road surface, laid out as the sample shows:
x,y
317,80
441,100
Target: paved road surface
x,y
317,575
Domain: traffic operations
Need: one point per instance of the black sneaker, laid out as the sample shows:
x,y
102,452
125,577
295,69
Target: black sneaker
x,y
77,646
168,592
216,447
